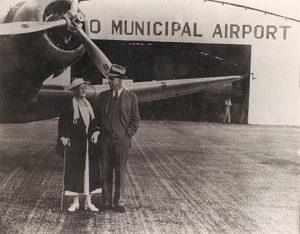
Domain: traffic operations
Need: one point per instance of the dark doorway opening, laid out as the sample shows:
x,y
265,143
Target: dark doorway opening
x,y
146,61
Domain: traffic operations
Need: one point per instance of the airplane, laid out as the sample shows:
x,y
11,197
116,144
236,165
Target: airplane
x,y
41,38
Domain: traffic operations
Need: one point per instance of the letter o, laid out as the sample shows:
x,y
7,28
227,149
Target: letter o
x,y
256,31
95,26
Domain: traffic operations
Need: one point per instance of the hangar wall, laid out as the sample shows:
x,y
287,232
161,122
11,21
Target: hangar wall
x,y
275,93
274,96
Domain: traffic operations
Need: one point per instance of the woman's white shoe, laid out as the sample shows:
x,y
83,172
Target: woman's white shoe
x,y
73,207
91,207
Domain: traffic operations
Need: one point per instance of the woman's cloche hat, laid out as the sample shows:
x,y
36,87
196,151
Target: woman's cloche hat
x,y
76,82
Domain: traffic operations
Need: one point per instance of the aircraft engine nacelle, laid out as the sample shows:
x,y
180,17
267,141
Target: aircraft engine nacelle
x,y
29,59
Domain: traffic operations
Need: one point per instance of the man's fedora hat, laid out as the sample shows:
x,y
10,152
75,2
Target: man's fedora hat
x,y
117,71
76,82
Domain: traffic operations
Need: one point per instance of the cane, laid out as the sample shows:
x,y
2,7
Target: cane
x,y
63,185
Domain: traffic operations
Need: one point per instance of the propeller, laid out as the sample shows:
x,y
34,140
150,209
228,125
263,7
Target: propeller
x,y
72,20
74,6
97,56
29,26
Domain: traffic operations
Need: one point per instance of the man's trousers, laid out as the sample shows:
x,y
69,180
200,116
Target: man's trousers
x,y
114,156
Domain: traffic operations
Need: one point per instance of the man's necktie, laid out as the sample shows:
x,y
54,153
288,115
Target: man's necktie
x,y
116,95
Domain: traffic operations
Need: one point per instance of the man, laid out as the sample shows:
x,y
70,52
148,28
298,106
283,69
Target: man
x,y
227,105
118,117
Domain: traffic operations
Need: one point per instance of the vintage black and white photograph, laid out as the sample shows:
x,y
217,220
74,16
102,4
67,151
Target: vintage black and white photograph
x,y
161,116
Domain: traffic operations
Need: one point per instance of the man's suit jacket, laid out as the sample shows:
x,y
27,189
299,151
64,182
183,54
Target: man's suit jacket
x,y
130,116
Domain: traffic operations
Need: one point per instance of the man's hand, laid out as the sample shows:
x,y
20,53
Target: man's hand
x,y
65,141
94,138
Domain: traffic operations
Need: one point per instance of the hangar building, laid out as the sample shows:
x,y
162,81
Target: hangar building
x,y
274,94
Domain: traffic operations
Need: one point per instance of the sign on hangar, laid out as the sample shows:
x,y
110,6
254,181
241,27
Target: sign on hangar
x,y
274,97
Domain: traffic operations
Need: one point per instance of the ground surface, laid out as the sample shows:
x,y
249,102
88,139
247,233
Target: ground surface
x,y
183,177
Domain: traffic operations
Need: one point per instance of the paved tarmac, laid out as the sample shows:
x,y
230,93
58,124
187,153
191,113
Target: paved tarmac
x,y
183,177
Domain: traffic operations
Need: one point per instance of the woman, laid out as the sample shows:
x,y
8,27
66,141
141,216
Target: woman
x,y
82,165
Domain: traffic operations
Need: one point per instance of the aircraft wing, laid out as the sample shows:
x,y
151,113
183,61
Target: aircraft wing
x,y
47,103
156,90
146,91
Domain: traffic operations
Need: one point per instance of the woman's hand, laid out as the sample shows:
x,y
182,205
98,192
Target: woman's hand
x,y
94,137
65,141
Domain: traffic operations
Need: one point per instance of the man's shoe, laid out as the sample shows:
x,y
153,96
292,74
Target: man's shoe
x,y
120,209
106,208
